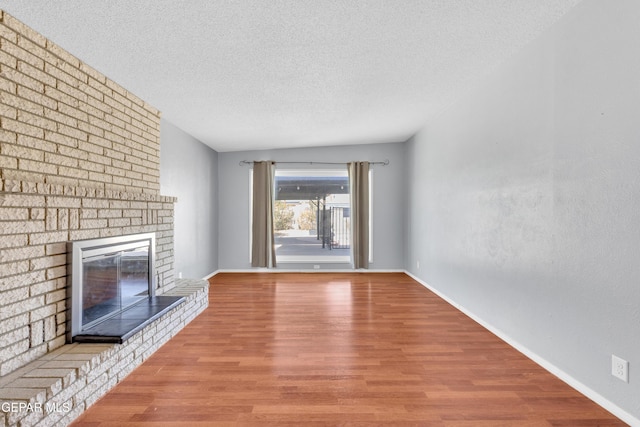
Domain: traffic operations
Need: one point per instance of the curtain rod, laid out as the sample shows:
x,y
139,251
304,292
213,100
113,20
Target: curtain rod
x,y
385,163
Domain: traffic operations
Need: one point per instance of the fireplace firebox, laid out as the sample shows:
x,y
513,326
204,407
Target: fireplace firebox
x,y
112,288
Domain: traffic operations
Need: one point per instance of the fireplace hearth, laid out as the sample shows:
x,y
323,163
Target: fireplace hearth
x,y
112,288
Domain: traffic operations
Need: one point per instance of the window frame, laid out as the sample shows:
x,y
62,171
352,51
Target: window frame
x,y
302,259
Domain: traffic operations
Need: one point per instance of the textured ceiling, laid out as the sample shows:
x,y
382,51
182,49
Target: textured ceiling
x,y
254,74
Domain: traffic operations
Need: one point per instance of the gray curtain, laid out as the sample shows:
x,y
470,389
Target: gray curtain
x,y
359,194
263,253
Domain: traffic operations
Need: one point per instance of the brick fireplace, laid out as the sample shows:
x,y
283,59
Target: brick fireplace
x,y
79,159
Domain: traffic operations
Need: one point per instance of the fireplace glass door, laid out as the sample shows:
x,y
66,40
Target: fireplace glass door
x,y
112,282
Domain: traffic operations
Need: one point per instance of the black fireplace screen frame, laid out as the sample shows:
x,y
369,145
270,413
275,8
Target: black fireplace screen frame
x,y
104,250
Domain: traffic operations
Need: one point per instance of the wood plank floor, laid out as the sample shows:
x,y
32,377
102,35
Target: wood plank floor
x,y
338,349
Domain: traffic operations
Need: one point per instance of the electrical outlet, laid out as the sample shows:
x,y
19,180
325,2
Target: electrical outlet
x,y
418,265
180,275
620,368
316,267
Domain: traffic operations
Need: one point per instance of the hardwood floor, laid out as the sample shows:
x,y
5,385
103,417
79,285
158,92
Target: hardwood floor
x,y
338,349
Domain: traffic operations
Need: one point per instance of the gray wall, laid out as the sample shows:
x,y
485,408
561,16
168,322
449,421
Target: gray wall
x,y
524,198
189,171
387,200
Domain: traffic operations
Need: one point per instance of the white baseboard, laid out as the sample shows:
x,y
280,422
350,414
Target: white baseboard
x,y
211,275
572,382
289,270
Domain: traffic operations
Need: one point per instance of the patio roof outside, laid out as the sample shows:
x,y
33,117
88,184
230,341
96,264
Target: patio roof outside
x,y
309,188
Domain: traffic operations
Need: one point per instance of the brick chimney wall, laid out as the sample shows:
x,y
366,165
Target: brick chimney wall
x,y
79,159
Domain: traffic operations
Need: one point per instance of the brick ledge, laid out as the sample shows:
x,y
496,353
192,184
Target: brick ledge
x,y
50,189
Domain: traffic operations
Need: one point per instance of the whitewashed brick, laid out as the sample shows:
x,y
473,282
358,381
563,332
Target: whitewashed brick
x,y
74,133
7,111
119,222
9,338
15,347
115,138
92,74
93,132
56,296
113,231
57,73
22,128
55,272
20,79
22,359
58,341
95,107
6,84
22,152
101,177
13,323
42,312
110,213
61,317
83,234
22,54
8,199
8,162
122,182
56,248
16,254
73,390
74,113
60,97
63,219
37,97
93,223
7,59
36,73
13,280
14,240
36,213
10,185
116,88
24,30
43,287
47,238
88,213
51,219
72,91
74,219
37,121
21,227
38,167
19,180
36,333
8,34
6,136
64,202
50,328
15,214
30,187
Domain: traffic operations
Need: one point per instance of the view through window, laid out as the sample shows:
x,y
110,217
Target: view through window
x,y
312,217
